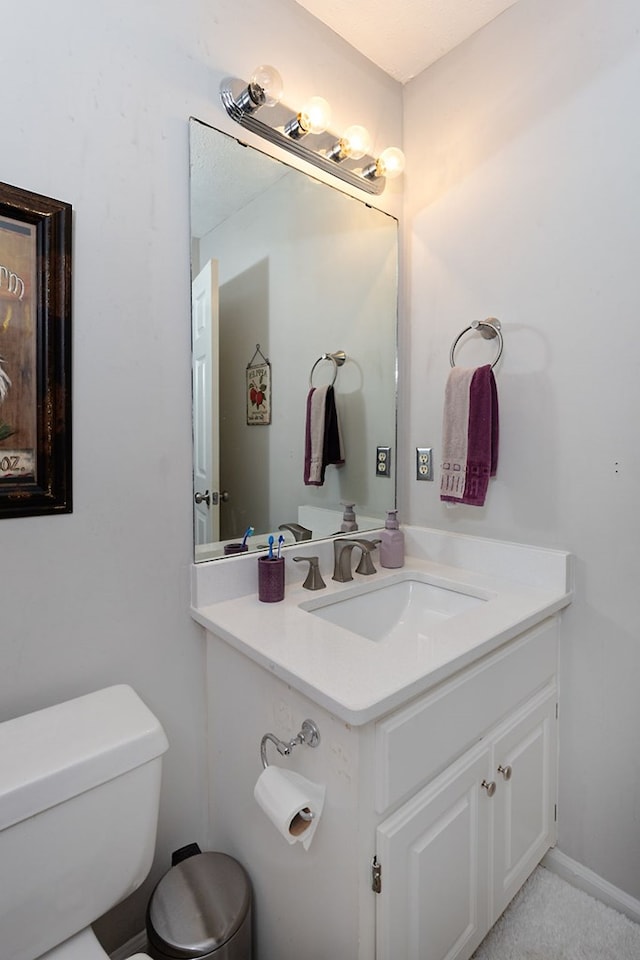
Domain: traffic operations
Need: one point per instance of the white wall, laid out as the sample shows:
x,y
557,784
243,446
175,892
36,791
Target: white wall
x,y
522,203
96,100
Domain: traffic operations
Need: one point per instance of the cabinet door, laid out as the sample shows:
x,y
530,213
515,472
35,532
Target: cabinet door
x,y
524,803
433,852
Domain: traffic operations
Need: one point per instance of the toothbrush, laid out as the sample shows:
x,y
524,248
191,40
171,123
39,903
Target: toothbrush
x,y
248,533
280,542
271,547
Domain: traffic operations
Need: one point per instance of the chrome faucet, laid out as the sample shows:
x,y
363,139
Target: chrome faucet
x,y
366,565
342,550
299,532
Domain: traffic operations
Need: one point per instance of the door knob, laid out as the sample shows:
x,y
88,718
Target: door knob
x,y
490,787
203,498
224,496
505,771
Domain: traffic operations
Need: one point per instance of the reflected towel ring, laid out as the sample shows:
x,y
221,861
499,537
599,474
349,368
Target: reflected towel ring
x,y
489,329
337,360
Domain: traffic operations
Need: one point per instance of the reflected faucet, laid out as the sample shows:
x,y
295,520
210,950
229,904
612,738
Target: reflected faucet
x,y
299,532
342,550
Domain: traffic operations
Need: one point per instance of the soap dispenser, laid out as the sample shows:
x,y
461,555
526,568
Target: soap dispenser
x,y
392,542
348,524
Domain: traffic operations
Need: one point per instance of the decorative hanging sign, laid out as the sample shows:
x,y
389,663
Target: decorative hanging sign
x,y
258,389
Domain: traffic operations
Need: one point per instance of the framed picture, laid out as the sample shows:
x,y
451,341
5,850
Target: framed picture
x,y
258,389
35,354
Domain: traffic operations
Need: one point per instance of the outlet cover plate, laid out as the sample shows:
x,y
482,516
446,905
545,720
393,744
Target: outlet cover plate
x,y
383,461
424,463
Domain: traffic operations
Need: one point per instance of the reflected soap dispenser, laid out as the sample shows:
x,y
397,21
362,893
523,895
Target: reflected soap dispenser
x,y
392,542
348,524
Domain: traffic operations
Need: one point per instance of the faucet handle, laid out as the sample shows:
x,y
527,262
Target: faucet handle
x,y
314,579
366,565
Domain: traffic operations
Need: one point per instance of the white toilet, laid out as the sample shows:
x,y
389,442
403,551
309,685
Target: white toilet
x,y
79,792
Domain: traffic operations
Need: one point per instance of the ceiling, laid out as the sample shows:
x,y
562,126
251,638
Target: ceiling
x,y
406,36
214,161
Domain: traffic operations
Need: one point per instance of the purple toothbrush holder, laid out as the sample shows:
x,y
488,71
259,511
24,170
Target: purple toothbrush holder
x,y
231,549
270,579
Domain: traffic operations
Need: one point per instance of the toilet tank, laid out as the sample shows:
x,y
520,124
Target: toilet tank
x,y
79,793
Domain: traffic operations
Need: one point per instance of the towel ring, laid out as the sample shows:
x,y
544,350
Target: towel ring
x,y
337,359
489,329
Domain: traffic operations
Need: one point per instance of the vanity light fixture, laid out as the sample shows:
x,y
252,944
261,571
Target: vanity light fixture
x,y
355,142
389,164
314,117
347,157
263,90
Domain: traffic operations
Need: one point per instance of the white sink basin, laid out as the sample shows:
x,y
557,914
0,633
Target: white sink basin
x,y
405,607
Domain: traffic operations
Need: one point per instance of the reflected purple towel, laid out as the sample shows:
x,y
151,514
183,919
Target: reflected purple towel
x,y
482,438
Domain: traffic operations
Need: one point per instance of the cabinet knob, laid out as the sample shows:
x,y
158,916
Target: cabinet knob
x,y
490,787
505,771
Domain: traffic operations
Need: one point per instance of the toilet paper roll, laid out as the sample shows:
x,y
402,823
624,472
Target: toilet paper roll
x,y
284,795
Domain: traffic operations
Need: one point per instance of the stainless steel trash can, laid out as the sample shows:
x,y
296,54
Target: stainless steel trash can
x,y
201,909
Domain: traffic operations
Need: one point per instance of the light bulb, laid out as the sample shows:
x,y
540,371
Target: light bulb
x,y
265,86
355,142
315,115
390,163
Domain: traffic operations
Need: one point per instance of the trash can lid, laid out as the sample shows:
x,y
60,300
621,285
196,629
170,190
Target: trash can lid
x,y
198,905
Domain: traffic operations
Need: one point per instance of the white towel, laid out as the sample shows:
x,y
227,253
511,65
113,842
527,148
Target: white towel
x,y
323,440
455,432
316,424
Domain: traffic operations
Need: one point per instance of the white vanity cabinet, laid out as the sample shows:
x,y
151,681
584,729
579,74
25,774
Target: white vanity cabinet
x,y
453,793
453,855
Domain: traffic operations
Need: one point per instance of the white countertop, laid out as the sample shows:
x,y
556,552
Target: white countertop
x,y
359,680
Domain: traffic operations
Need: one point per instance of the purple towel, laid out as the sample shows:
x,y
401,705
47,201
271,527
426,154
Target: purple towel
x,y
482,438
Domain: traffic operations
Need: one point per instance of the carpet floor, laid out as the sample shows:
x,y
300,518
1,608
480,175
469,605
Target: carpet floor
x,y
551,920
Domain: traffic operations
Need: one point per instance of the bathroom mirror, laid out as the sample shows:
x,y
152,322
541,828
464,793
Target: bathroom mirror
x,y
285,270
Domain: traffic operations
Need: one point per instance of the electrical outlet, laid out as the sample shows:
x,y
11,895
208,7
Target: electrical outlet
x,y
424,463
383,462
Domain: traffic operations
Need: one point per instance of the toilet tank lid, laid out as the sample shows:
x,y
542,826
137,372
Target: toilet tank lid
x,y
54,754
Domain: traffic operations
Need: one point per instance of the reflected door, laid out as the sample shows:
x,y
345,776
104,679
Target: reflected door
x,y
206,419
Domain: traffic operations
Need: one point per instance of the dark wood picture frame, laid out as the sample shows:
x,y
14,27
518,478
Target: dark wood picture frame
x,y
35,354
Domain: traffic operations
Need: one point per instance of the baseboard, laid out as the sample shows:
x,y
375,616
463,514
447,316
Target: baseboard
x,y
588,881
555,861
137,944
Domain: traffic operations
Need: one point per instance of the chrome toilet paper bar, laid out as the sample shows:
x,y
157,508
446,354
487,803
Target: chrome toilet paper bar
x,y
308,734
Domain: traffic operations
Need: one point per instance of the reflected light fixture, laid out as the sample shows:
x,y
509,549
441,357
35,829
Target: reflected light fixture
x,y
347,156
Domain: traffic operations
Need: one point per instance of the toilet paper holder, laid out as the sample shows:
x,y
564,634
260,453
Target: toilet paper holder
x,y
308,734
